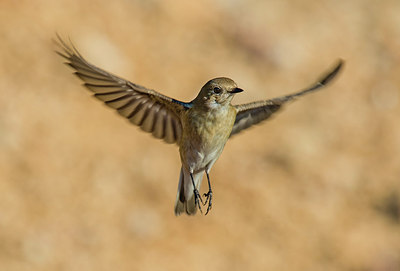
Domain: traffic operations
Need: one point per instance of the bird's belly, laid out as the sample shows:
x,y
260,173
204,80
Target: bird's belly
x,y
198,159
204,137
203,148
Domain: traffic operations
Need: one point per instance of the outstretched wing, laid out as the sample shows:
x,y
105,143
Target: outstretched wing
x,y
256,112
151,111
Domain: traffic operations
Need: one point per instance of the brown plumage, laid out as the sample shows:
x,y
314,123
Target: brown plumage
x,y
200,128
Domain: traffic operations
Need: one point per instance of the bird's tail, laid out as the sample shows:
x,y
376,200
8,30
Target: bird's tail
x,y
185,200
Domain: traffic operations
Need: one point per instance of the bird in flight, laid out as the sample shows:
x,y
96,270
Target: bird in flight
x,y
200,128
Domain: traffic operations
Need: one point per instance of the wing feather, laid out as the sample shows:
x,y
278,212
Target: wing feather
x,y
256,112
150,110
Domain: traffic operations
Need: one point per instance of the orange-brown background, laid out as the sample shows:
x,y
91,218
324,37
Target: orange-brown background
x,y
315,188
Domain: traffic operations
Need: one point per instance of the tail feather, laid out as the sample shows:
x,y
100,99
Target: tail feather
x,y
185,200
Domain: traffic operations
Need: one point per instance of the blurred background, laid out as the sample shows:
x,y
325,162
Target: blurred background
x,y
315,188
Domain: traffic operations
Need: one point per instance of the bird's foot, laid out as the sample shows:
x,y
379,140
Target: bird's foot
x,y
208,196
197,199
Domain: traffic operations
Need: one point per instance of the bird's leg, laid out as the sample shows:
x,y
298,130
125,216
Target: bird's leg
x,y
208,195
196,194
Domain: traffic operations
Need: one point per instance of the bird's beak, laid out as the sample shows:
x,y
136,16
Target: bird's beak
x,y
235,90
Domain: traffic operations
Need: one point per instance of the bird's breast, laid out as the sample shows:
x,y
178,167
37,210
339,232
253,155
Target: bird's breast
x,y
205,134
209,127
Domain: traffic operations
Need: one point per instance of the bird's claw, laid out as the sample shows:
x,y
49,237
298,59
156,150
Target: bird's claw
x,y
208,197
197,199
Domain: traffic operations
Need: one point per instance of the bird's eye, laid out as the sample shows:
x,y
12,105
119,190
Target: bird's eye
x,y
217,90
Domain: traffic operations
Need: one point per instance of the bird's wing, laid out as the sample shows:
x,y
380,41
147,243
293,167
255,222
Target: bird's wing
x,y
256,112
151,111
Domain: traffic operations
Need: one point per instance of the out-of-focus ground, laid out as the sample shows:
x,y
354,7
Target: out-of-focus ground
x,y
315,188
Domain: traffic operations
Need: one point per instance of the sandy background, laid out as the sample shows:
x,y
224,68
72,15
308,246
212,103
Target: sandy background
x,y
315,188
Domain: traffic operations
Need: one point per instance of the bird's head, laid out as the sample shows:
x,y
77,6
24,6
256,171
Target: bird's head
x,y
217,92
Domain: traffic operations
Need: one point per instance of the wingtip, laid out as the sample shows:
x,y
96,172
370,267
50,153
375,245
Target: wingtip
x,y
327,78
339,65
65,48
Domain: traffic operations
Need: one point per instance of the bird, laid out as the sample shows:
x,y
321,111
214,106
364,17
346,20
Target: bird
x,y
200,127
